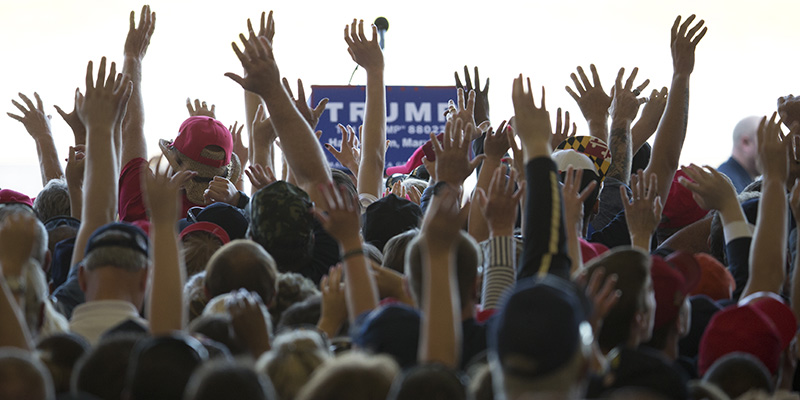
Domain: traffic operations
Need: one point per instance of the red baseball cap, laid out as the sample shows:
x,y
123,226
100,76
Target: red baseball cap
x,y
198,132
740,329
8,196
209,227
777,311
680,209
716,281
673,279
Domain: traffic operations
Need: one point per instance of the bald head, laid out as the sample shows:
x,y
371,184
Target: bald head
x,y
242,264
746,128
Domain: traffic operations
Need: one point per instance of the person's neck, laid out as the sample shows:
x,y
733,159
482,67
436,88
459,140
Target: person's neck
x,y
748,165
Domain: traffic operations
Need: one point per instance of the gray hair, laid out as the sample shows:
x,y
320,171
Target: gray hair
x,y
115,256
53,200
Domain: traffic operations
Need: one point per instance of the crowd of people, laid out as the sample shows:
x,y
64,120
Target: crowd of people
x,y
587,266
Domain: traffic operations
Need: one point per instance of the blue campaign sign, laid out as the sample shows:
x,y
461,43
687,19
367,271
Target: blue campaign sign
x,y
413,112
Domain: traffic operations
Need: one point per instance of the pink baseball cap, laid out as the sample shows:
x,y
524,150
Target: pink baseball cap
x,y
198,132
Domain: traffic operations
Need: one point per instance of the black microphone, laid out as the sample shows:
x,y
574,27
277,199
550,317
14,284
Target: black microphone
x,y
383,25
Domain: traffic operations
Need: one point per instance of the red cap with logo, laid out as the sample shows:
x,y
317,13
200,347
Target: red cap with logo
x,y
198,132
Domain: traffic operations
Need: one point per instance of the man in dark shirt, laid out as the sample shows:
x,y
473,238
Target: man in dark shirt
x,y
741,167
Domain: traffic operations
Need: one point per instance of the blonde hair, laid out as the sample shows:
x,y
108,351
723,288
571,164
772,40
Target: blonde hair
x,y
294,357
355,376
198,247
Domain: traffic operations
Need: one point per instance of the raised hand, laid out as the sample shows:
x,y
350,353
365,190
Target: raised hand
x,y
75,165
499,205
683,44
311,116
139,38
643,211
221,190
561,134
651,116
481,111
464,111
625,104
267,27
531,123
603,295
161,191
789,109
591,98
343,220
772,151
260,177
366,53
711,189
239,148
106,99
348,154
17,236
334,307
72,119
247,320
200,109
261,74
36,122
263,131
444,219
496,143
452,155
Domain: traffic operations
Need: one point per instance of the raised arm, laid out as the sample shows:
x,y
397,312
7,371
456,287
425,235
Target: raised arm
x,y
165,305
440,330
74,121
342,221
795,293
298,142
37,123
498,204
545,239
768,249
101,110
643,210
133,141
593,102
574,198
648,122
672,128
368,54
495,146
624,107
17,234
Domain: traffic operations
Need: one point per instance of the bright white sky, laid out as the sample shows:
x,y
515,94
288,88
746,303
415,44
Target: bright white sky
x,y
745,62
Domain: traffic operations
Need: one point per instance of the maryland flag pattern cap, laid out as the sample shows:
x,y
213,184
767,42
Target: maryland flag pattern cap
x,y
594,148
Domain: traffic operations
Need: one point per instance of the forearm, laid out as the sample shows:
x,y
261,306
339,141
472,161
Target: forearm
x,y
373,138
639,136
100,191
75,202
545,238
48,159
670,135
13,328
598,127
621,151
299,144
500,274
165,309
768,249
440,336
251,102
478,227
574,249
361,292
133,141
795,293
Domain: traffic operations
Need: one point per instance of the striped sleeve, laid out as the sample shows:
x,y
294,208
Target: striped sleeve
x,y
500,275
